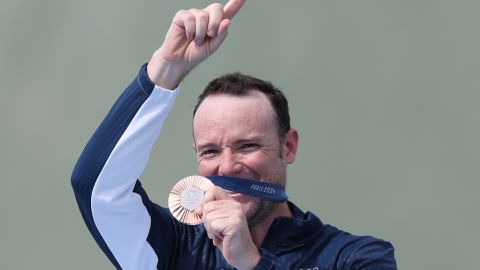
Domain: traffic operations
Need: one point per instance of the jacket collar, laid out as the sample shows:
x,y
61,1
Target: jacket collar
x,y
289,233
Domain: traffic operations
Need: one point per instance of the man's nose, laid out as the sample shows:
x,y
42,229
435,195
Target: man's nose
x,y
228,165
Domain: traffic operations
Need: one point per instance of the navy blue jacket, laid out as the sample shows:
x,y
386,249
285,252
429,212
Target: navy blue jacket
x,y
136,233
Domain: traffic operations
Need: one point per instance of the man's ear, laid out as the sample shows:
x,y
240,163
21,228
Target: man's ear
x,y
290,145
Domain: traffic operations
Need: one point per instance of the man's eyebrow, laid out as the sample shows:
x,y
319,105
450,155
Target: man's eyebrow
x,y
206,145
249,140
253,139
240,141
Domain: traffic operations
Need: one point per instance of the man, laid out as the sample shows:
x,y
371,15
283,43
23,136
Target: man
x,y
241,128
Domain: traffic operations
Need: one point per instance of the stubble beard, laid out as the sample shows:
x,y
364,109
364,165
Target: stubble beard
x,y
262,209
258,212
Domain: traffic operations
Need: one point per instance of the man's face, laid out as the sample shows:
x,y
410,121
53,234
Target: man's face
x,y
237,136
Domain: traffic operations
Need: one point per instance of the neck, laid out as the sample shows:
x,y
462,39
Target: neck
x,y
259,232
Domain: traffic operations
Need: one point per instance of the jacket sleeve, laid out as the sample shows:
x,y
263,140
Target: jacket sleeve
x,y
104,179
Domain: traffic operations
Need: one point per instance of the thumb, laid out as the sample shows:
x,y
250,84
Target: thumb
x,y
221,35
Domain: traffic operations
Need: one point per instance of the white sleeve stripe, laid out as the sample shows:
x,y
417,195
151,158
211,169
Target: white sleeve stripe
x,y
118,212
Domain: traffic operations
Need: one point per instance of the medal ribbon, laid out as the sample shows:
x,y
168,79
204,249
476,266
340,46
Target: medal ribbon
x,y
254,188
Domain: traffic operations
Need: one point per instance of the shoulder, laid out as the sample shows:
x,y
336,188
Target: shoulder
x,y
359,252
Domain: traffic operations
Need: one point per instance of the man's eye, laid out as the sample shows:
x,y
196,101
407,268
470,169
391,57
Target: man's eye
x,y
249,146
208,153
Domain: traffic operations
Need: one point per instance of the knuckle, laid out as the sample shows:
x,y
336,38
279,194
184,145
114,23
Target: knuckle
x,y
198,12
207,219
180,13
209,206
185,16
216,225
206,208
202,15
188,16
207,222
211,226
216,6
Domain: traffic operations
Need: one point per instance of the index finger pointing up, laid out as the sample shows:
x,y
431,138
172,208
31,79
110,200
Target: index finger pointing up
x,y
232,7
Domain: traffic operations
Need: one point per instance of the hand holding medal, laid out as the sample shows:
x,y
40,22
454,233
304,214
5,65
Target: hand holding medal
x,y
196,199
187,194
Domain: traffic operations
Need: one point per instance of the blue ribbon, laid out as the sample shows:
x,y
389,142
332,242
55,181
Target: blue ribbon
x,y
255,188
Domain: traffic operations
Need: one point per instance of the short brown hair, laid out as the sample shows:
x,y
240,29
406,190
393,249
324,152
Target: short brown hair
x,y
238,84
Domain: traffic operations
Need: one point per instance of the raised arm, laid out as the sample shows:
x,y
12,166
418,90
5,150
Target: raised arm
x,y
111,200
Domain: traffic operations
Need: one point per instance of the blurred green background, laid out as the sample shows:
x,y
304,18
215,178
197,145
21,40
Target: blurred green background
x,y
385,95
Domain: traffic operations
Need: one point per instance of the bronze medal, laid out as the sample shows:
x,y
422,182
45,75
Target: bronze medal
x,y
185,196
